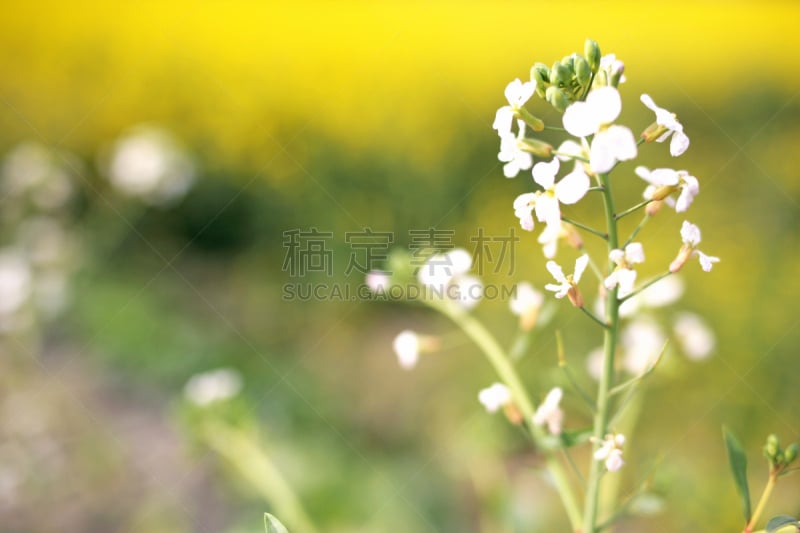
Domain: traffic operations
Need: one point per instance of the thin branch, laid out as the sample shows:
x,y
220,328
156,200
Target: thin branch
x,y
585,227
637,230
593,317
631,209
643,287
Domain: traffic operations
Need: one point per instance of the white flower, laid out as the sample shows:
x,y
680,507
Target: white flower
x,y
378,281
517,93
612,66
567,285
610,451
406,346
680,141
550,413
38,172
595,363
512,154
611,143
525,299
526,303
642,342
569,149
440,269
569,190
694,336
445,276
495,397
664,181
467,291
15,282
661,293
148,163
216,385
624,275
523,209
690,234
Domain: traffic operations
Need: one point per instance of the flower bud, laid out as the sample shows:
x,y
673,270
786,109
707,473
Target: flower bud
x,y
664,191
772,448
534,122
575,296
653,132
583,71
592,52
536,147
791,453
683,256
513,413
560,74
616,75
541,75
557,98
653,207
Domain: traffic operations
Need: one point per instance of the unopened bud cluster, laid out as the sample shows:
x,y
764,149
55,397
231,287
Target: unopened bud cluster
x,y
779,459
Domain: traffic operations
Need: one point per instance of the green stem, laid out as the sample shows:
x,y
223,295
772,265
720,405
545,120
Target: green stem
x,y
637,230
584,227
596,468
475,330
254,465
593,317
632,209
643,287
553,128
762,502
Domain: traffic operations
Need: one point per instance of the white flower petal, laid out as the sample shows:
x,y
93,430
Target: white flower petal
x,y
544,173
580,266
503,120
579,120
706,261
605,103
406,347
572,187
634,253
496,396
556,271
678,144
460,261
690,234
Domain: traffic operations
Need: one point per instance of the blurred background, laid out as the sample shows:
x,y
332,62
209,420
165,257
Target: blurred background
x,y
156,157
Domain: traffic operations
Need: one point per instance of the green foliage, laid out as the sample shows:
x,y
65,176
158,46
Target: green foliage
x,y
782,524
273,525
738,462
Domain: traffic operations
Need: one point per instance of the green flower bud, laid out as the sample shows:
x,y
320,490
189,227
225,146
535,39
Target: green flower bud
x,y
583,71
772,448
592,52
560,74
569,62
540,73
537,147
791,453
616,76
557,98
530,119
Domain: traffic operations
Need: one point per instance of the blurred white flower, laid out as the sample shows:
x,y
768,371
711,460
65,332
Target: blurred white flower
x,y
517,93
680,141
662,293
526,304
694,336
15,282
406,346
495,397
595,362
610,451
149,164
40,173
213,386
446,276
642,342
378,281
569,190
550,413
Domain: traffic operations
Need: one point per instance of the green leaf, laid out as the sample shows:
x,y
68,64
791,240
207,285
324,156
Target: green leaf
x,y
273,525
777,523
738,461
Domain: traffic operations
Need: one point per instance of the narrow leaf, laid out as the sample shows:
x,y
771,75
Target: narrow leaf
x,y
738,461
777,523
273,525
